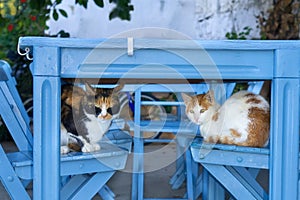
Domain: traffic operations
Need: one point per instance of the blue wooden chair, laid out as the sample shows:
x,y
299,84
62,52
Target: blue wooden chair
x,y
83,174
234,167
168,123
184,141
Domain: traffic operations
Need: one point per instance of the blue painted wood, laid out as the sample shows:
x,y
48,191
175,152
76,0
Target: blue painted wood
x,y
288,67
178,59
230,182
95,183
250,179
142,43
114,62
10,180
46,137
179,176
106,193
190,177
138,157
13,112
284,162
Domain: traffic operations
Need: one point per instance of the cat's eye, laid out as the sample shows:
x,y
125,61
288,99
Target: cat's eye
x,y
191,111
109,111
202,110
97,110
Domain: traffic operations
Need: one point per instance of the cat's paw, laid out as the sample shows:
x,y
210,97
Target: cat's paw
x,y
64,149
86,148
96,147
90,147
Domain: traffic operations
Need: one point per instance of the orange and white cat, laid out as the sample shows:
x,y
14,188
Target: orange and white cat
x,y
244,118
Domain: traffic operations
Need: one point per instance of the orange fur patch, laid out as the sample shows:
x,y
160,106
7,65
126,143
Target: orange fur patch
x,y
212,139
250,95
72,96
108,102
258,128
203,102
235,133
215,117
227,140
253,100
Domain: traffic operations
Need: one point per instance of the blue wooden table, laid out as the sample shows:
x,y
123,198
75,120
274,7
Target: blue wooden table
x,y
164,61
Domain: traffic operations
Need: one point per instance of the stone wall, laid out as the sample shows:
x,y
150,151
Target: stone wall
x,y
198,19
216,18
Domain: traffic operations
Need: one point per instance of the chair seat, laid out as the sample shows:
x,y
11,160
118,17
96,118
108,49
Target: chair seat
x,y
109,158
222,154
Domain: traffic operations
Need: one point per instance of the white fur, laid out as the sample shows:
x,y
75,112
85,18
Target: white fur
x,y
64,139
96,128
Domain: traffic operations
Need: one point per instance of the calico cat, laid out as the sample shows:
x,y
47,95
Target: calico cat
x,y
86,116
244,119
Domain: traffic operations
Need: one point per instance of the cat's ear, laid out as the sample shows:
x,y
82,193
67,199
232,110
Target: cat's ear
x,y
89,89
210,96
118,88
186,98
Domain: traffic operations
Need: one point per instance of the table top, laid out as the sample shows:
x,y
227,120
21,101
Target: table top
x,y
159,43
163,59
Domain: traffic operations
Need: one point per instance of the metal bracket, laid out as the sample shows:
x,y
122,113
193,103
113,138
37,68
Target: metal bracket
x,y
130,46
27,50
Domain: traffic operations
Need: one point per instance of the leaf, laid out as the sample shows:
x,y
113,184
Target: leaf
x,y
55,15
63,12
122,9
82,3
113,14
99,3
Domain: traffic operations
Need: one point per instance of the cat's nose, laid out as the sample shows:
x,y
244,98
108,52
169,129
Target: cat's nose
x,y
102,115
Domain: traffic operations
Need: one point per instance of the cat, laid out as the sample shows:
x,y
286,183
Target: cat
x,y
86,116
243,120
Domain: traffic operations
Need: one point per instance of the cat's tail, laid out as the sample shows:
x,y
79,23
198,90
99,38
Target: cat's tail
x,y
75,143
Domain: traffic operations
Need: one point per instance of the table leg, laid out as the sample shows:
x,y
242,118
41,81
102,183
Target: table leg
x,y
46,152
284,139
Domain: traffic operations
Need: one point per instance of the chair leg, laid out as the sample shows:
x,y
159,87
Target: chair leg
x,y
232,182
106,193
190,176
85,186
10,180
250,175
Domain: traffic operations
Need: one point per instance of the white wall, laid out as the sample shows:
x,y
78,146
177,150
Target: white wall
x,y
199,19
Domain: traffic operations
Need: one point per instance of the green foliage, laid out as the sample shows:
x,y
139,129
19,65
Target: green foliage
x,y
240,86
99,3
239,36
122,9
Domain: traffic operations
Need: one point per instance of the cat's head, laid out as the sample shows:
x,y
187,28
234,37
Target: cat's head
x,y
102,103
198,107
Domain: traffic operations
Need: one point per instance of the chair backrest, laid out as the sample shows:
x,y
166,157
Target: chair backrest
x,y
12,110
